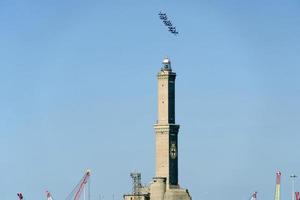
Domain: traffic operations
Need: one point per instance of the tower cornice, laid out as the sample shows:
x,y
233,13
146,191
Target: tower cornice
x,y
166,75
167,128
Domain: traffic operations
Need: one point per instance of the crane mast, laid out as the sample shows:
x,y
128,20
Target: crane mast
x,y
82,184
80,188
49,196
277,186
253,196
20,195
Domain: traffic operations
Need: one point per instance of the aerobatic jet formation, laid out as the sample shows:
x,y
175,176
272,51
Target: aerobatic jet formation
x,y
167,23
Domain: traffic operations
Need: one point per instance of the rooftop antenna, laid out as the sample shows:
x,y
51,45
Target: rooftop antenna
x,y
136,182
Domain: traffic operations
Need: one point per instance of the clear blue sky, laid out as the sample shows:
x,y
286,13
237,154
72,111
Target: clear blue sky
x,y
78,91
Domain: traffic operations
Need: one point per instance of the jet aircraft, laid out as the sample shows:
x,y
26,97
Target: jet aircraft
x,y
173,30
163,16
167,23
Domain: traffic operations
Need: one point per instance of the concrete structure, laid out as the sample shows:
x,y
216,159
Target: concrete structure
x,y
165,183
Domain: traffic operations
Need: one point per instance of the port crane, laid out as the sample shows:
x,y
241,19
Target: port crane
x,y
277,186
78,190
20,195
81,186
49,196
253,196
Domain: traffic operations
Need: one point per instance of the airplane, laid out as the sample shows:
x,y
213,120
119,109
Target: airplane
x,y
167,22
171,28
175,32
162,16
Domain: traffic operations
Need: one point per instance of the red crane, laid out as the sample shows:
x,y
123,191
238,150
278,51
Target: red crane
x,y
49,196
277,187
297,194
83,182
253,196
75,194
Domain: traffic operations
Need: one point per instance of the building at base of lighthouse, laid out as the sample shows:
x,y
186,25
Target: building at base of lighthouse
x,y
165,185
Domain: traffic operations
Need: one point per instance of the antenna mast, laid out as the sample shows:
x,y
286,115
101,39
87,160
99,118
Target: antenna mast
x,y
136,182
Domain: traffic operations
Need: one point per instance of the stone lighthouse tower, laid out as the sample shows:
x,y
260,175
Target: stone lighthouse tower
x,y
166,130
165,184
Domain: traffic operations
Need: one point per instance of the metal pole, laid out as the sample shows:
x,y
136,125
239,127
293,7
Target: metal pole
x,y
293,176
84,193
89,189
293,189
